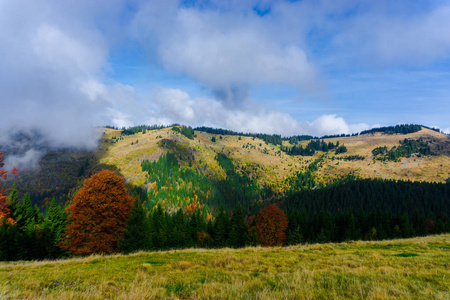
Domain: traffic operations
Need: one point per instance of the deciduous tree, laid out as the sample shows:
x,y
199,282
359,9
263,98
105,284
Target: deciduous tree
x,y
98,215
4,210
271,224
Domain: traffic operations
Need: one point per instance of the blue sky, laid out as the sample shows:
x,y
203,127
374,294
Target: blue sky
x,y
286,67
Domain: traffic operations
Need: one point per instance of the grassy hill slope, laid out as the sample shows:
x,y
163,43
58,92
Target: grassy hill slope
x,y
269,165
402,269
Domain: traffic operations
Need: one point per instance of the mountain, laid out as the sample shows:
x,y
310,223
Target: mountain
x,y
269,165
265,164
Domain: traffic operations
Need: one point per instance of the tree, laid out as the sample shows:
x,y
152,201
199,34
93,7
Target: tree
x,y
221,228
159,226
4,210
53,228
10,248
179,233
98,215
294,231
238,229
137,234
26,213
271,223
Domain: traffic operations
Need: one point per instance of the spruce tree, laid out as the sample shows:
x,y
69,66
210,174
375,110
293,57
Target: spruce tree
x,y
221,229
53,228
238,229
137,235
26,213
178,232
159,228
10,247
294,232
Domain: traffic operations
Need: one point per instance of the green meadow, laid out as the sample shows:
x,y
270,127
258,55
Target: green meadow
x,y
417,268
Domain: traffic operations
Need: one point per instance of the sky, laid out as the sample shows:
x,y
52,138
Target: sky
x,y
284,67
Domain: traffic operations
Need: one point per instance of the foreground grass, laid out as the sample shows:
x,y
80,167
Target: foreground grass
x,y
412,268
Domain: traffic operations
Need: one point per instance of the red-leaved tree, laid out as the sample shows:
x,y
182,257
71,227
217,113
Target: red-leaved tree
x,y
4,211
98,215
271,224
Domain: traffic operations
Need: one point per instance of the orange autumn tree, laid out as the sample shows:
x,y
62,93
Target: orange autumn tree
x,y
98,215
271,224
4,210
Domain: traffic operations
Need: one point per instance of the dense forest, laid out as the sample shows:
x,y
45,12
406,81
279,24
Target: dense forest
x,y
368,209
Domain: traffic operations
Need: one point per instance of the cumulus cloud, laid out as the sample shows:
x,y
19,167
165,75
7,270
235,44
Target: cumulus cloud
x,y
43,65
401,36
173,105
225,49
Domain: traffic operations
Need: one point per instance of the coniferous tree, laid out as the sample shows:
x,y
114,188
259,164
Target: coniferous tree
x,y
10,241
26,213
294,232
238,229
178,230
137,235
221,229
159,228
53,228
350,231
406,226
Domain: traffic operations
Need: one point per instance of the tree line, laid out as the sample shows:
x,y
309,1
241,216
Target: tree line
x,y
142,128
401,128
313,146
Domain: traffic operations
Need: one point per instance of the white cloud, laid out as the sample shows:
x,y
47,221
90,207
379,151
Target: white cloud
x,y
379,34
224,48
51,65
175,106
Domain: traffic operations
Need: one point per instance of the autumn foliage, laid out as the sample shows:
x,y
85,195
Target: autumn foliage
x,y
98,215
4,210
271,224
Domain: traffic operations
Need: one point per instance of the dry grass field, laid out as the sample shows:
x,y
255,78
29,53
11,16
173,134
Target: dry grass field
x,y
417,268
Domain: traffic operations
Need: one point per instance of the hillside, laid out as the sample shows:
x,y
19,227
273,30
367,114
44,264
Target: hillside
x,y
401,269
269,165
61,172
